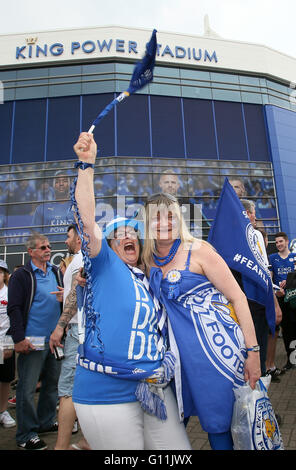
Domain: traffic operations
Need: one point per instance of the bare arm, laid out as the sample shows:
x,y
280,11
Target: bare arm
x,y
216,270
86,151
69,310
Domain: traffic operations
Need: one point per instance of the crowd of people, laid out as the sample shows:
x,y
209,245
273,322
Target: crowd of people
x,y
139,358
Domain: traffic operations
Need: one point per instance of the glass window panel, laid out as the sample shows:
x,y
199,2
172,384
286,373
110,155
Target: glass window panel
x,y
277,101
53,217
133,135
31,92
227,86
167,127
199,129
170,181
8,83
93,87
8,94
226,95
66,71
64,89
33,74
224,78
161,89
256,132
92,105
195,74
251,97
196,92
29,131
6,112
166,72
63,127
128,68
99,68
277,86
230,131
249,80
8,75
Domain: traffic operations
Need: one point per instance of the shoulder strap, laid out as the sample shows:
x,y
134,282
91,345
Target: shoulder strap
x,y
188,257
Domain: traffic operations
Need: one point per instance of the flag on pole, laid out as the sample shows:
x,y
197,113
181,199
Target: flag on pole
x,y
236,240
142,75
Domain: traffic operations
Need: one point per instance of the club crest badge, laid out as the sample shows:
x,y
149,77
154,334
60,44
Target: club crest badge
x,y
266,434
255,246
174,276
218,331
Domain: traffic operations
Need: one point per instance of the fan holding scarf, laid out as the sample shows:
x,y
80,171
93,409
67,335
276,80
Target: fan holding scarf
x,y
121,390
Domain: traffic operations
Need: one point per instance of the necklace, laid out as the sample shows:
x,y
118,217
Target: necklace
x,y
161,261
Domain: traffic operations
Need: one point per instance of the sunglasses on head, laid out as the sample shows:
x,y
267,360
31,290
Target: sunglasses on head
x,y
157,196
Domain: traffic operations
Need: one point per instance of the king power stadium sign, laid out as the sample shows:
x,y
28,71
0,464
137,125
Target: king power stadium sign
x,y
32,50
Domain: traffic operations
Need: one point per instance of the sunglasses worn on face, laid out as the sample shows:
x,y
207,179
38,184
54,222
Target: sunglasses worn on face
x,y
43,247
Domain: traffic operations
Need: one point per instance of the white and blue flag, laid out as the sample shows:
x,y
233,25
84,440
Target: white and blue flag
x,y
236,240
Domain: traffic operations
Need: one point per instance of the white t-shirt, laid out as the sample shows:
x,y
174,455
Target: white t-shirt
x,y
73,268
4,318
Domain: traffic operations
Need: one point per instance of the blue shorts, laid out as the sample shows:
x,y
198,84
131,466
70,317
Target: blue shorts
x,y
68,364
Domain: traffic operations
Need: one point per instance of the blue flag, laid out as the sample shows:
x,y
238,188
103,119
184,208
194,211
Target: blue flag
x,y
236,240
142,75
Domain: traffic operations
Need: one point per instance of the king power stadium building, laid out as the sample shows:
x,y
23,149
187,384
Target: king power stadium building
x,y
215,108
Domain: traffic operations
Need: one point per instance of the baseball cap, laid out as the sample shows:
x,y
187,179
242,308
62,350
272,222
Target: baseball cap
x,y
3,265
123,221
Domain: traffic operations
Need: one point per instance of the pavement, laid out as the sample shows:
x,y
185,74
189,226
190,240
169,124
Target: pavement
x,y
282,396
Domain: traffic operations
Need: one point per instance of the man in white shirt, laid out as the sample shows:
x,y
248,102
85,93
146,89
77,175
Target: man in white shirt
x,y
67,415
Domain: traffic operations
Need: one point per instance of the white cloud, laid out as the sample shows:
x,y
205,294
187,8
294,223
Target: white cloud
x,y
266,22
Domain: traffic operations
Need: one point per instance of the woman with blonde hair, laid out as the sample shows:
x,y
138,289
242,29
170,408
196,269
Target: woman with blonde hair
x,y
211,331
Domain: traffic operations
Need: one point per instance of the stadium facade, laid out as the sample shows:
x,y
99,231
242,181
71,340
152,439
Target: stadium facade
x,y
215,108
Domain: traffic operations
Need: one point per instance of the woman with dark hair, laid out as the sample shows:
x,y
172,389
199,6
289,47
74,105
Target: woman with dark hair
x,y
210,326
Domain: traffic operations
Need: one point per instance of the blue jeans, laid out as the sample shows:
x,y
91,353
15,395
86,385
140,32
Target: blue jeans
x,y
68,368
31,367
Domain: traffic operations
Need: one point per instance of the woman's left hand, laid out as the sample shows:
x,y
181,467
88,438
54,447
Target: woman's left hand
x,y
252,368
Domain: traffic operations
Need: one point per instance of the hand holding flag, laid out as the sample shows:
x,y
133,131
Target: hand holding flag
x,y
142,75
236,241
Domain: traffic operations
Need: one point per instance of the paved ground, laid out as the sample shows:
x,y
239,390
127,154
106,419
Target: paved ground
x,y
282,396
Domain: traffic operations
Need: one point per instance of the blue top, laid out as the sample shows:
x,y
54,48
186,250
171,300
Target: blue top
x,y
127,323
281,267
207,336
45,309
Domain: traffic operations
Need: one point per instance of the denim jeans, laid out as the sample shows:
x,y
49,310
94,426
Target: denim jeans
x,y
68,367
32,367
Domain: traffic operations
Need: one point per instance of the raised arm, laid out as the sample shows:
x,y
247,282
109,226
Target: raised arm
x,y
86,151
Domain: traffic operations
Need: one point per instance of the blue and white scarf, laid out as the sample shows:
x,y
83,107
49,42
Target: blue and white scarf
x,y
149,389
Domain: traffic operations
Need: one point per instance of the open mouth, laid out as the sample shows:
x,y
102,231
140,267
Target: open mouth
x,y
129,248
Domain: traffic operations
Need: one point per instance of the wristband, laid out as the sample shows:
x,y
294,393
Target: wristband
x,y
254,348
83,165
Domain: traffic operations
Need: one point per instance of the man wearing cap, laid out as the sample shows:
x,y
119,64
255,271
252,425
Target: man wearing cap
x,y
55,216
125,345
281,264
34,312
7,367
